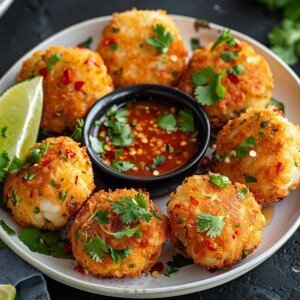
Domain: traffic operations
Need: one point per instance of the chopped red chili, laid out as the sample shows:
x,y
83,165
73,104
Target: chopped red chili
x,y
91,62
109,40
78,268
279,167
45,162
233,78
43,72
67,77
194,201
78,85
70,153
209,246
235,234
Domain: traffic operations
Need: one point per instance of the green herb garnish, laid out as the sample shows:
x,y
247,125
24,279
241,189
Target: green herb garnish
x,y
29,176
186,121
243,193
224,37
221,181
228,55
242,150
52,61
236,70
4,162
167,122
16,165
278,104
77,133
86,44
195,43
208,86
96,144
157,161
122,165
102,216
250,178
162,39
129,232
213,225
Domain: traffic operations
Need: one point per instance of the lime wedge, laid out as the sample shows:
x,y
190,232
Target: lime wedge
x,y
20,116
7,292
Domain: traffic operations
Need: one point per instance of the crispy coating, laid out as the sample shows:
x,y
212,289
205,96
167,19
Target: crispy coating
x,y
63,181
135,61
253,88
144,250
274,161
77,80
242,219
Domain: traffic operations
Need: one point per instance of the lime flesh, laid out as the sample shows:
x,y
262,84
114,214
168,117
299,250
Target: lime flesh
x,y
20,116
7,292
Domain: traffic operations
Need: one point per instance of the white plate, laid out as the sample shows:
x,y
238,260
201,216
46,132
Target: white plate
x,y
4,5
191,278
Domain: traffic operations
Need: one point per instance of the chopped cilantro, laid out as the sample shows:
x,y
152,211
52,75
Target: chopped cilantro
x,y
77,133
278,104
129,232
118,152
243,193
16,165
102,216
162,39
116,255
208,86
195,43
52,61
86,43
96,144
176,263
238,69
170,270
62,195
213,225
167,122
221,181
4,162
29,176
242,150
157,161
36,154
264,124
4,132
36,210
122,165
250,178
120,114
245,253
228,55
114,46
224,37
261,133
96,248
53,183
7,229
186,121
130,211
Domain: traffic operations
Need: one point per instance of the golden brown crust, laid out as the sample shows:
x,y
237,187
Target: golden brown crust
x,y
276,163
243,222
145,250
64,100
254,87
63,181
135,61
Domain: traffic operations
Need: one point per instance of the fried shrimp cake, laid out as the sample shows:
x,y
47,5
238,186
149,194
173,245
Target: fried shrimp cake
x,y
143,46
226,78
55,180
118,234
214,222
261,149
74,79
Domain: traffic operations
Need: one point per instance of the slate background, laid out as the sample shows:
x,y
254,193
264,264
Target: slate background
x,y
28,22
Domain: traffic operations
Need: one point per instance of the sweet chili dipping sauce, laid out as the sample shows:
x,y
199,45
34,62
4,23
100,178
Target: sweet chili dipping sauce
x,y
146,138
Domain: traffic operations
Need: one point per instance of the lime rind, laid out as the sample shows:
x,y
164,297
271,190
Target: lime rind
x,y
7,292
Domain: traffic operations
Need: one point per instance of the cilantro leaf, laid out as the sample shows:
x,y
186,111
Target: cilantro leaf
x,y
36,154
96,144
285,41
242,151
221,181
224,37
119,133
116,255
29,176
52,61
102,216
86,43
176,263
77,133
122,165
162,39
278,104
243,193
7,229
186,121
157,161
208,86
120,114
140,200
4,162
166,122
213,225
195,43
129,232
238,69
170,270
130,212
96,248
249,178
16,165
228,55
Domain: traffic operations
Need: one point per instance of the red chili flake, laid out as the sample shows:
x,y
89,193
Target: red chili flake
x,y
102,128
22,180
159,267
144,243
31,193
235,234
43,72
71,207
279,167
78,268
209,246
67,248
67,77
70,153
233,78
76,179
109,40
194,201
91,62
110,155
78,85
45,162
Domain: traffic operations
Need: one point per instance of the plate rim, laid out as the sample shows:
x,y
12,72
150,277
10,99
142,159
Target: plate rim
x,y
160,291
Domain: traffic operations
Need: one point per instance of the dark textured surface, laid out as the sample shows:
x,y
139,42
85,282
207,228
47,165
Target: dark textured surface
x,y
28,22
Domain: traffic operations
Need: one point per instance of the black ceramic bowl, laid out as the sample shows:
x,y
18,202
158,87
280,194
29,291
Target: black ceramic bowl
x,y
156,185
